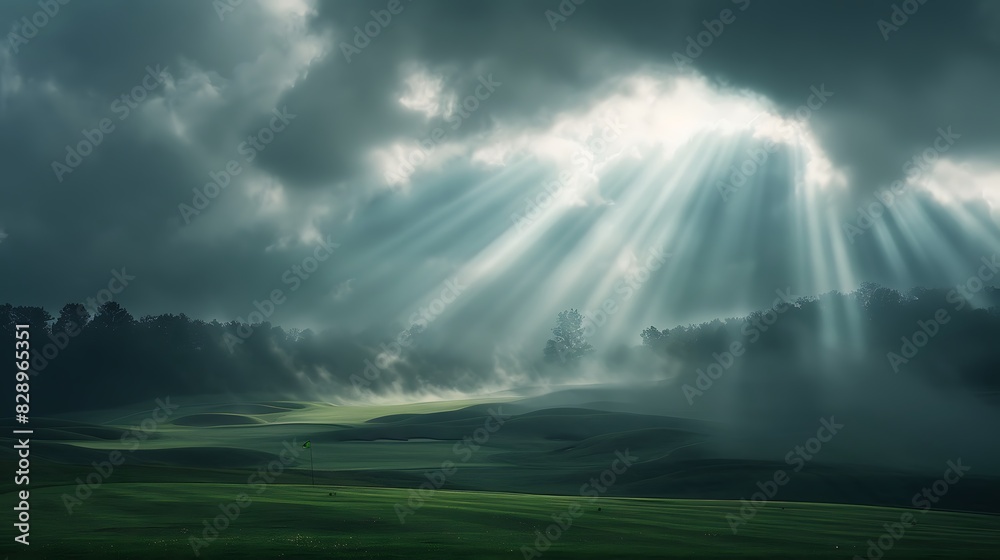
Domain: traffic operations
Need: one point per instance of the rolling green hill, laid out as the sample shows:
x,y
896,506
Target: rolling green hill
x,y
506,481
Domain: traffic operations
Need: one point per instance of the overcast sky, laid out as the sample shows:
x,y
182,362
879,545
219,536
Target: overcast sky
x,y
492,100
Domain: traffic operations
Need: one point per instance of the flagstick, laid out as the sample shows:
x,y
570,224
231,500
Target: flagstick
x,y
311,471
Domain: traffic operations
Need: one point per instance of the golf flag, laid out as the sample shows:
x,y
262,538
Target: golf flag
x,y
312,473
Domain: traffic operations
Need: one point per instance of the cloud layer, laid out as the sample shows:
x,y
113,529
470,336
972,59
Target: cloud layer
x,y
424,137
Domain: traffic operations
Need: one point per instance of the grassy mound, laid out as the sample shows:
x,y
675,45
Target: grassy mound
x,y
211,419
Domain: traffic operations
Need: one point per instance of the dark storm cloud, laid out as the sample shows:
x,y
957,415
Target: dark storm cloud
x,y
120,206
892,94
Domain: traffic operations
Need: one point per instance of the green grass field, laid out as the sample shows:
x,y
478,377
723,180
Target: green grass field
x,y
492,506
301,521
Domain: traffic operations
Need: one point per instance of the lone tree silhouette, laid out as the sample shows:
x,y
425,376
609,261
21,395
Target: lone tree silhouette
x,y
568,344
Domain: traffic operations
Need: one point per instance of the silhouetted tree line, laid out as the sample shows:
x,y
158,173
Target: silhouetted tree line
x,y
936,334
104,357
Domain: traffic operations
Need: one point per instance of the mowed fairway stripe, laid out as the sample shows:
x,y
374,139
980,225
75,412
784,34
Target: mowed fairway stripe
x,y
299,521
